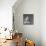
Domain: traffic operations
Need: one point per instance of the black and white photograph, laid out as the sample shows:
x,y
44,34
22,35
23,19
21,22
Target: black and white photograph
x,y
28,19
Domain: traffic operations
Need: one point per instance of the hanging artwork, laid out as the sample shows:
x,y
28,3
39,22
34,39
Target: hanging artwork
x,y
28,19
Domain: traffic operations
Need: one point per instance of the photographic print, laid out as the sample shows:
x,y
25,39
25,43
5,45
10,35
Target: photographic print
x,y
28,19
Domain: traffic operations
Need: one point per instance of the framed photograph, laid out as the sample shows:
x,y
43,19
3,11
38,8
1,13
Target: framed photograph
x,y
28,19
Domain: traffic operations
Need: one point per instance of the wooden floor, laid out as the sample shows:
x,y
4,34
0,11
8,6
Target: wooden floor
x,y
9,43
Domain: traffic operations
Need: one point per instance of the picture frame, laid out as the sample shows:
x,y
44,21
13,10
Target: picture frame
x,y
28,19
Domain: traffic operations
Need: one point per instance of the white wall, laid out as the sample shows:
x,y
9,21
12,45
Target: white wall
x,y
6,13
29,31
43,22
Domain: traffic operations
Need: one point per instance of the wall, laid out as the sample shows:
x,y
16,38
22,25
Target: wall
x,y
43,22
6,13
29,31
